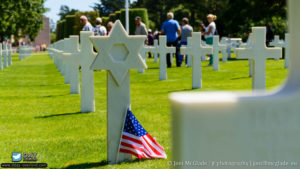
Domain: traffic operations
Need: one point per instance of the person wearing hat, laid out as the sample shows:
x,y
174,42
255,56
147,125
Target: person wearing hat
x,y
150,40
87,26
140,28
99,29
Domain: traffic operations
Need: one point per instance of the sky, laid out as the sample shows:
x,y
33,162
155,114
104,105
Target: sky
x,y
81,5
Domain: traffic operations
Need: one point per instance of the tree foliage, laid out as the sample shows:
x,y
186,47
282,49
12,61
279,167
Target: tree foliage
x,y
65,10
20,18
106,7
234,17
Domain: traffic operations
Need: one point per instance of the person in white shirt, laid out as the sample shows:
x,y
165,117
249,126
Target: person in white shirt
x,y
99,29
87,26
209,33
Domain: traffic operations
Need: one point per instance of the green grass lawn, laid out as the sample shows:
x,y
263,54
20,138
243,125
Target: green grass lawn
x,y
37,113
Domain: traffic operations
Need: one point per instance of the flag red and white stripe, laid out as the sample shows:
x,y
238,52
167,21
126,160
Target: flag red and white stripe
x,y
136,141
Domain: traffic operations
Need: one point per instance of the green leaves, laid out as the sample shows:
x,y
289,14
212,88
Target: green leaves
x,y
21,18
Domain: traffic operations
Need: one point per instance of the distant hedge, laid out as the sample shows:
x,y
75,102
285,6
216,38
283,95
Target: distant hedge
x,y
105,20
69,25
112,17
142,12
60,30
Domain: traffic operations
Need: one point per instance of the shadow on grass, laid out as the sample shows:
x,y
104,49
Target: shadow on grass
x,y
237,78
57,115
153,68
86,165
100,164
183,90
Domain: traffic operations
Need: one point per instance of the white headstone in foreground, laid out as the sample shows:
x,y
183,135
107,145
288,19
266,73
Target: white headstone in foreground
x,y
117,53
216,48
259,53
196,50
260,130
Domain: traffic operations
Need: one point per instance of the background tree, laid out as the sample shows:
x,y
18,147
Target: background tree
x,y
235,18
20,18
65,10
106,7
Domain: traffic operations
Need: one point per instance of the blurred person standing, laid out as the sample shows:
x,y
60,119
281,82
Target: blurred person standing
x,y
140,28
209,33
87,26
186,31
172,30
99,29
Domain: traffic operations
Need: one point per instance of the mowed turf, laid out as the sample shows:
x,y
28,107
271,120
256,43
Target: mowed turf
x,y
38,115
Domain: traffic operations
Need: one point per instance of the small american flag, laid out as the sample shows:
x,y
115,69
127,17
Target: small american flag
x,y
137,141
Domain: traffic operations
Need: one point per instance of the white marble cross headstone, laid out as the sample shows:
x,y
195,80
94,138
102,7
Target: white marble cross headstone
x,y
163,50
5,55
117,53
1,64
9,52
259,53
143,52
84,57
72,60
248,44
275,42
283,44
155,55
196,50
67,68
216,48
224,50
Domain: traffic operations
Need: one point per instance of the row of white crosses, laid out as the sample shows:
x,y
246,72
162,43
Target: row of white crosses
x,y
68,56
117,53
247,128
25,51
6,52
283,44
